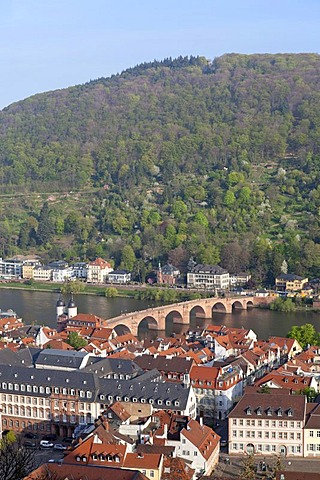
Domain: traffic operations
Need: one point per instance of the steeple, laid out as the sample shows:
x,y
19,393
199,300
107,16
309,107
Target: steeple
x,y
60,306
72,308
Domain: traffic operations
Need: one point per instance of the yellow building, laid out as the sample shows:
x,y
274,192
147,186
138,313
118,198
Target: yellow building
x,y
290,283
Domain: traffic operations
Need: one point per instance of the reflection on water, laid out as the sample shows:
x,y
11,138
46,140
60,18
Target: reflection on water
x,y
39,308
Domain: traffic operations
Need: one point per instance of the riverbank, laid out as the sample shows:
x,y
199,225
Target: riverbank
x,y
56,288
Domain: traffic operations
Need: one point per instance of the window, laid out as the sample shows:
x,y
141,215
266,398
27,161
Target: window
x,y
259,434
241,423
235,446
234,433
311,433
273,434
259,423
195,454
234,421
82,394
273,423
266,434
298,436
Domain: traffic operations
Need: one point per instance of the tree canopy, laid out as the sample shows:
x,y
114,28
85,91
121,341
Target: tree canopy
x,y
181,155
305,334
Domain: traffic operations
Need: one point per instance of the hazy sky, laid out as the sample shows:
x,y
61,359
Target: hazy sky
x,y
50,44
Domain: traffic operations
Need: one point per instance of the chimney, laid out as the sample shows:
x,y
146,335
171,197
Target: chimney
x,y
201,419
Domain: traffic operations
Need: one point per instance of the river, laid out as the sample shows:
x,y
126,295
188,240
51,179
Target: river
x,y
39,308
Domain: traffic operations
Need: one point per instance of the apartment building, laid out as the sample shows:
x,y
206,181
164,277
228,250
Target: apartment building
x,y
208,277
98,271
268,424
56,401
289,282
216,389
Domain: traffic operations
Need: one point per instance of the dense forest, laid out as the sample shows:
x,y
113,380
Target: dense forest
x,y
184,157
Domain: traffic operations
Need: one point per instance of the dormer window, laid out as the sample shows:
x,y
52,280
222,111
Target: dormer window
x,y
249,411
134,399
279,412
269,411
290,412
285,380
259,411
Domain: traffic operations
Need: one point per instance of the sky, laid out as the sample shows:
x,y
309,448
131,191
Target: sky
x,y
51,44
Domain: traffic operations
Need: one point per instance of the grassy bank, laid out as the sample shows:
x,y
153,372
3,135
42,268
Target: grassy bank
x,y
56,288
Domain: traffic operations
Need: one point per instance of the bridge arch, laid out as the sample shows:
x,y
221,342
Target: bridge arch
x,y
148,321
197,311
219,307
237,305
250,304
175,315
122,329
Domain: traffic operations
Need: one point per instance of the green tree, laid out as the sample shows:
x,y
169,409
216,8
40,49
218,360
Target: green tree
x,y
309,392
276,467
74,287
111,292
248,471
283,305
76,341
128,258
305,334
46,227
229,198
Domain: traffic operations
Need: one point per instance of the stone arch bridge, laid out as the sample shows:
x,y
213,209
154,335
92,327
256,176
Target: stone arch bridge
x,y
181,312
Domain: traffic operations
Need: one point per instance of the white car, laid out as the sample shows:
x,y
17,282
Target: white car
x,y
59,446
45,444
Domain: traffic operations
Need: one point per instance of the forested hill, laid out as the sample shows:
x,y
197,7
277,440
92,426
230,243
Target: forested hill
x,y
219,160
183,115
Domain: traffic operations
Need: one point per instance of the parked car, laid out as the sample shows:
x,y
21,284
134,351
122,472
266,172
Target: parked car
x,y
29,444
67,440
30,435
51,437
45,444
59,446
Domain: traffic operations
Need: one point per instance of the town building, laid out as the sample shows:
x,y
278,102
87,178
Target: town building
x,y
98,271
167,274
216,389
268,424
208,277
120,277
289,282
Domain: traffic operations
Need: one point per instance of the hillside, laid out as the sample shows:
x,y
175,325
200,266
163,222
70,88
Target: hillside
x,y
171,159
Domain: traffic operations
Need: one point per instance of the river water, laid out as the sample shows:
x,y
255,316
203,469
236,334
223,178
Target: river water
x,y
39,308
